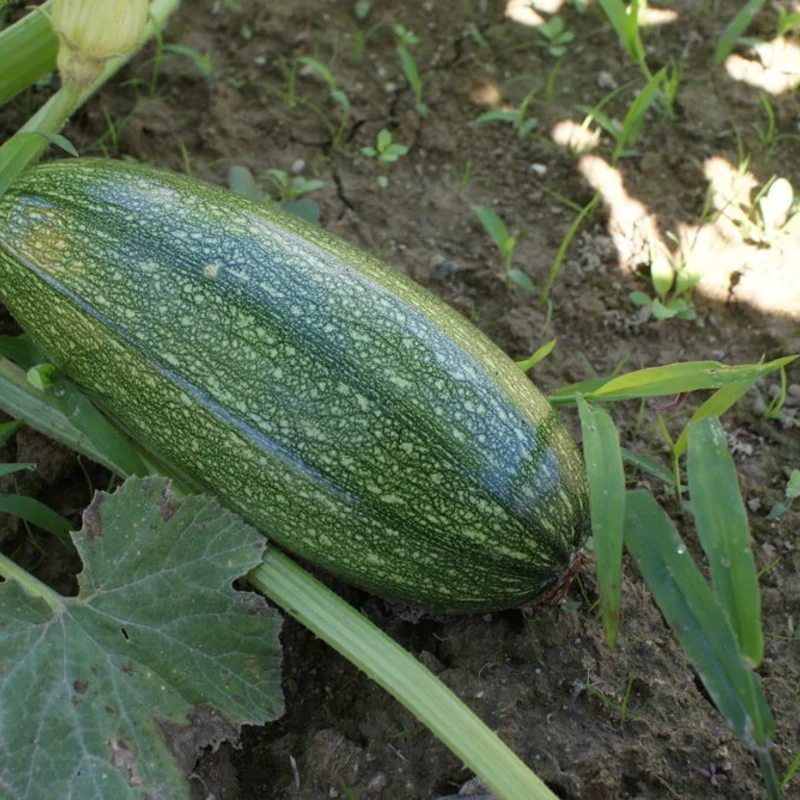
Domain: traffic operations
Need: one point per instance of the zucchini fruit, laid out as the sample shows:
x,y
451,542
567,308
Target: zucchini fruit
x,y
340,408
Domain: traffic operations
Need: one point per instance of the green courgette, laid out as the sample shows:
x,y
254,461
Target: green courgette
x,y
339,407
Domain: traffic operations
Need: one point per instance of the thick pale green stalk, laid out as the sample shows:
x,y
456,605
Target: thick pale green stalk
x,y
42,412
334,621
19,151
28,51
355,637
26,146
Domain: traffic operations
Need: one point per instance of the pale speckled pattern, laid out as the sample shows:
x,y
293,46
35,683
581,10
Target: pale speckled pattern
x,y
326,398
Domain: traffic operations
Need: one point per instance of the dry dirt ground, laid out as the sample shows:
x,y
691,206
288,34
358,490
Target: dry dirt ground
x,y
692,178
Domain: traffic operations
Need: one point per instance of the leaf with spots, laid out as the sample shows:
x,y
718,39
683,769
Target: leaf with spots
x,y
111,693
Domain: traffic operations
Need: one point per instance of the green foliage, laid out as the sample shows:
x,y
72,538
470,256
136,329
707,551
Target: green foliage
x,y
667,380
384,152
625,23
31,510
792,492
539,355
724,533
676,307
290,190
405,40
361,9
700,621
735,28
522,124
555,37
607,501
201,61
505,243
155,636
623,708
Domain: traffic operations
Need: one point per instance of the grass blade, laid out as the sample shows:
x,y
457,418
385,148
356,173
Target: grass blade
x,y
687,603
529,363
564,246
8,429
648,465
791,770
34,512
493,225
8,469
722,527
629,132
715,406
735,28
657,381
628,35
607,502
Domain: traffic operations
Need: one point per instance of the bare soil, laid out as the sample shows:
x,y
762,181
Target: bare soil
x,y
525,675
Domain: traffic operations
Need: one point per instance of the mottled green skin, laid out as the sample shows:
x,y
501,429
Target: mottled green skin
x,y
340,408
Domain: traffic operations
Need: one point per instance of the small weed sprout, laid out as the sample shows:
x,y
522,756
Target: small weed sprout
x,y
518,119
555,37
361,9
384,152
360,36
622,708
290,191
337,95
505,243
673,279
791,493
625,22
405,40
202,62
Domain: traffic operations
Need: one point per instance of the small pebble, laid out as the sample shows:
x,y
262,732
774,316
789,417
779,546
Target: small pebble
x,y
539,169
759,407
605,80
794,390
298,166
773,390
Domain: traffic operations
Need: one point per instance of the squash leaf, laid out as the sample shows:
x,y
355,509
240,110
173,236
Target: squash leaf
x,y
111,693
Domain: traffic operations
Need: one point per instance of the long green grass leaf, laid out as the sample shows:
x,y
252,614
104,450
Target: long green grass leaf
x,y
689,606
607,502
564,246
648,465
735,28
493,225
715,406
31,510
541,353
722,527
657,381
631,125
8,429
625,25
8,469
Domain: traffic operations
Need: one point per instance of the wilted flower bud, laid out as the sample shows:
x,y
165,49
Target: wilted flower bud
x,y
93,31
